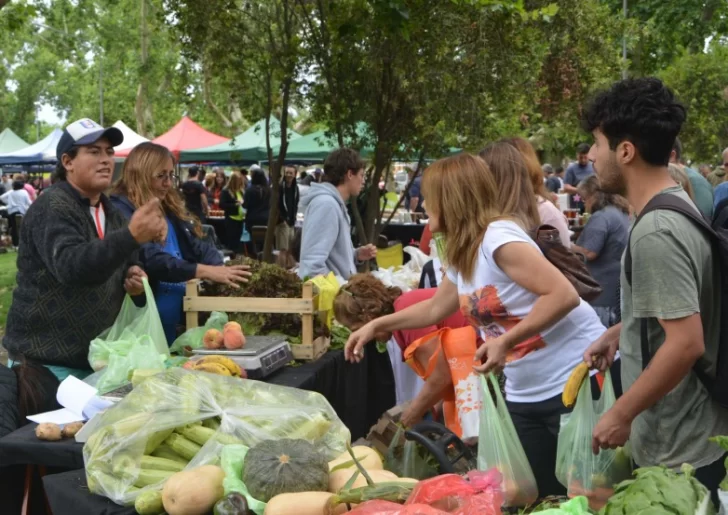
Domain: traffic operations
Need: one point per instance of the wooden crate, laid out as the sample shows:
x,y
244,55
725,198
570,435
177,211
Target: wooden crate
x,y
308,350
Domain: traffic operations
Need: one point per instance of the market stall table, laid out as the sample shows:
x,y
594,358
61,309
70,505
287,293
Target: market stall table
x,y
406,233
68,494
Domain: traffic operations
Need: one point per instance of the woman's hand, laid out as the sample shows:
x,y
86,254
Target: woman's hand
x,y
133,282
494,350
229,275
354,348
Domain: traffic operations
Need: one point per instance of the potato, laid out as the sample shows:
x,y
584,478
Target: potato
x,y
70,430
48,432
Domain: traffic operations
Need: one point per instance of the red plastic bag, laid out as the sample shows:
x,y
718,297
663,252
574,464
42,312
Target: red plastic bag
x,y
479,493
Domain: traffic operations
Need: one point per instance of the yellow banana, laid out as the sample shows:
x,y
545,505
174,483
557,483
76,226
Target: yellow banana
x,y
213,368
573,384
228,363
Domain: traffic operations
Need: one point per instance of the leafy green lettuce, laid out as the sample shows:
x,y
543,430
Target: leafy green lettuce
x,y
657,490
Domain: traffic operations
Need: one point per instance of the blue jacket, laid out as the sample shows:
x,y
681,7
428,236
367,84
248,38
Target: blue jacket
x,y
162,267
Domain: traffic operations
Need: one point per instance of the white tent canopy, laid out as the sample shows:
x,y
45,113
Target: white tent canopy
x,y
131,138
43,151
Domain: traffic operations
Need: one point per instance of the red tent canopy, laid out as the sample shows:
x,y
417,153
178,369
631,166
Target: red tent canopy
x,y
186,135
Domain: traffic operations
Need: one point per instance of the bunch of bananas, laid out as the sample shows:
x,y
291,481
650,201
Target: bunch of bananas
x,y
215,364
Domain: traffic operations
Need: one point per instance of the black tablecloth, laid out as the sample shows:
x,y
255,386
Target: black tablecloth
x,y
359,393
406,233
21,447
219,226
68,494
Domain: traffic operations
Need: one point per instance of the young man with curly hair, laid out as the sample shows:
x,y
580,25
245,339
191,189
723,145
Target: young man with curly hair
x,y
666,411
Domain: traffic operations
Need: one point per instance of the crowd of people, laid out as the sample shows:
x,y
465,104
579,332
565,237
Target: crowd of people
x,y
500,304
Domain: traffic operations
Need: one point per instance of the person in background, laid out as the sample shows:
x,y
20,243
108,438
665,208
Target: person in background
x,y
215,192
28,186
181,255
288,198
231,201
331,250
704,170
6,184
702,191
316,177
76,263
365,298
602,242
257,204
665,412
548,171
414,199
680,176
548,213
555,183
718,175
246,178
18,201
195,195
529,316
208,183
577,172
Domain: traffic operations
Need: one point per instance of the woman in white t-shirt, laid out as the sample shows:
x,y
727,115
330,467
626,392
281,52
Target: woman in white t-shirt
x,y
531,319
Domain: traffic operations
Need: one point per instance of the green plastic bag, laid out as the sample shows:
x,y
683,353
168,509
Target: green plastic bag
x,y
232,462
135,340
499,447
193,337
577,468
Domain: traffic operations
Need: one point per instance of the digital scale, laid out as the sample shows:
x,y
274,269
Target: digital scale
x,y
261,356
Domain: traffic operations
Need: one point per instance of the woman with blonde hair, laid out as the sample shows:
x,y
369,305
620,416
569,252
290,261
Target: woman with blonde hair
x,y
529,316
149,172
231,201
549,214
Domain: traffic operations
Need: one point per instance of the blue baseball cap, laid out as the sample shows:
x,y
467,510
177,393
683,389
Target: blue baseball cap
x,y
85,132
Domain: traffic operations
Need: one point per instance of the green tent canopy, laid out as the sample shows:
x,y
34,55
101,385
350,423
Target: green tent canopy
x,y
10,142
248,147
315,147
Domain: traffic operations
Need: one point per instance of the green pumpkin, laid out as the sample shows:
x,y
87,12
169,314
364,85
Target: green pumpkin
x,y
284,466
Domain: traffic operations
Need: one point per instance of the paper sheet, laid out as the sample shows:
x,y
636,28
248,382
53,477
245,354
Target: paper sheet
x,y
73,394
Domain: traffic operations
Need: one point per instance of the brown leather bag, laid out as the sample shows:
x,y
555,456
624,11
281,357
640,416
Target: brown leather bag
x,y
571,264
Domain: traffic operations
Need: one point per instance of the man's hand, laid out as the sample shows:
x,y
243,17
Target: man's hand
x,y
494,350
366,252
229,275
600,354
147,223
133,283
611,431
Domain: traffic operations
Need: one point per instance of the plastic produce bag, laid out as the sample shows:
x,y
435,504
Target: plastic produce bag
x,y
193,337
575,506
135,339
406,461
250,412
577,468
499,447
232,462
327,287
478,492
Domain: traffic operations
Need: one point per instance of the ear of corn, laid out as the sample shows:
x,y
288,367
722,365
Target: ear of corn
x,y
148,477
573,384
182,446
164,451
154,463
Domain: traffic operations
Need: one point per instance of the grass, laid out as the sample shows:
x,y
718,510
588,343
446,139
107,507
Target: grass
x,y
7,285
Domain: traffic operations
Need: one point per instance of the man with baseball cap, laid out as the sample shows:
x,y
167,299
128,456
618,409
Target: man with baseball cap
x,y
75,264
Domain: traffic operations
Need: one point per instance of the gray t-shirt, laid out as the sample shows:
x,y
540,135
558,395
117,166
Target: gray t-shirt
x,y
674,275
576,173
606,234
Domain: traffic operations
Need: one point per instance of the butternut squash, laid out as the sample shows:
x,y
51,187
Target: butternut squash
x,y
368,458
194,491
302,503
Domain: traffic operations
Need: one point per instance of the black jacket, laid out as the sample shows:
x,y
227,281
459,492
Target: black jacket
x,y
9,419
288,202
257,205
70,283
162,267
229,203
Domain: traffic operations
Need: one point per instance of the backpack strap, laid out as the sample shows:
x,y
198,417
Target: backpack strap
x,y
672,203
